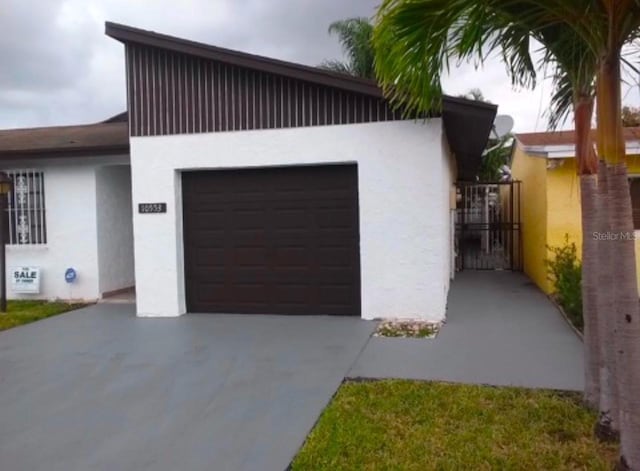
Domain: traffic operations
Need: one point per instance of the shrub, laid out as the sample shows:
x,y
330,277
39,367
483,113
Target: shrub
x,y
565,272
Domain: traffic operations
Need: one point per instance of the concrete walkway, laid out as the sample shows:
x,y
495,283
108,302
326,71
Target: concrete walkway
x,y
500,330
98,389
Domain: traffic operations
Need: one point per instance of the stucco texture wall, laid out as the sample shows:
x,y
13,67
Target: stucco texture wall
x,y
560,216
532,172
71,190
403,197
563,207
70,200
114,228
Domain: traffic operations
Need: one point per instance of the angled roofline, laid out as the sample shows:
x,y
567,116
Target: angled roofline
x,y
128,34
467,122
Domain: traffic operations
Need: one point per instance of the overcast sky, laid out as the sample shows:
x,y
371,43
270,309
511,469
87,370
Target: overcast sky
x,y
58,67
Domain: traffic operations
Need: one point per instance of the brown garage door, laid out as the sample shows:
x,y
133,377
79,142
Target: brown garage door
x,y
272,241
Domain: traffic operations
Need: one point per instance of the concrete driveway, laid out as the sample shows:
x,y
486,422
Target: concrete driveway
x,y
98,389
501,330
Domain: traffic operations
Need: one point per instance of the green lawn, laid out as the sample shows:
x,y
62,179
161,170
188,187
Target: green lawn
x,y
23,312
409,425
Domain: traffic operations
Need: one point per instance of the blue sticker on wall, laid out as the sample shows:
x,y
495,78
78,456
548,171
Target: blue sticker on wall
x,y
70,275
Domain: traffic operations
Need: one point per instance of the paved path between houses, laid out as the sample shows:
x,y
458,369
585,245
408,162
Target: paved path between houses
x,y
501,330
98,389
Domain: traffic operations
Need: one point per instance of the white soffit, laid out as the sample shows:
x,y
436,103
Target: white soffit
x,y
568,150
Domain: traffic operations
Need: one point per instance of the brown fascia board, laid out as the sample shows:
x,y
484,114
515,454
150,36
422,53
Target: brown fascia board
x,y
56,153
128,34
452,100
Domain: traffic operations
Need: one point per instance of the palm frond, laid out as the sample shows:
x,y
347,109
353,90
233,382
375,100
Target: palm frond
x,y
415,40
336,66
355,35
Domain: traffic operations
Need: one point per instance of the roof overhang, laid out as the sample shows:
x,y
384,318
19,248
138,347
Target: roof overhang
x,y
467,124
107,138
568,151
128,34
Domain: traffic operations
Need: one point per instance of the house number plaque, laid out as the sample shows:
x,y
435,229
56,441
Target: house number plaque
x,y
152,208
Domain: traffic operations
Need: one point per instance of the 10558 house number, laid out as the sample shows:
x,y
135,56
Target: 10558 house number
x,y
152,208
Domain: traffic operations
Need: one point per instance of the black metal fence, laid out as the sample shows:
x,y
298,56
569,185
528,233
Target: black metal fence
x,y
488,235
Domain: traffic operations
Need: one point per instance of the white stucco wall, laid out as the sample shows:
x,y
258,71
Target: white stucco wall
x,y
70,199
114,228
403,179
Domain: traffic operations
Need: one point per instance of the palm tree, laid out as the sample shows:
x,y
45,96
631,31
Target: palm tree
x,y
605,27
355,37
414,41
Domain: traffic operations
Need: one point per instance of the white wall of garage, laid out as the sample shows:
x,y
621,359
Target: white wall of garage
x,y
404,179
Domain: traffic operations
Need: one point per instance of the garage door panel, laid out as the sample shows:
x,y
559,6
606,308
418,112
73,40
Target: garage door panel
x,y
335,257
278,240
244,257
292,257
209,292
335,294
209,256
203,275
293,293
250,293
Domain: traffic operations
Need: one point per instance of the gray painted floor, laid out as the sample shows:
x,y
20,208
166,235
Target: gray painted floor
x,y
500,330
98,389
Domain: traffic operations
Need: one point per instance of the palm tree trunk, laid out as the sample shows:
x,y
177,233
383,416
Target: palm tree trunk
x,y
627,308
587,169
607,429
608,425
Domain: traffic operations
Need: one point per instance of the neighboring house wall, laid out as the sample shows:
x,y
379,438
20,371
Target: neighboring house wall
x,y
633,165
532,172
72,231
550,223
404,184
563,204
115,228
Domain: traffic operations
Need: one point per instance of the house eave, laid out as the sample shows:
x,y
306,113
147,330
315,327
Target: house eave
x,y
567,151
128,34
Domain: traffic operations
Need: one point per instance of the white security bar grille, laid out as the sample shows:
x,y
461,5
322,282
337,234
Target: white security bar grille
x,y
26,208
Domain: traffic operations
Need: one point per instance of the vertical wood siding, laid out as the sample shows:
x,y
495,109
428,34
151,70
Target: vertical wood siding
x,y
172,93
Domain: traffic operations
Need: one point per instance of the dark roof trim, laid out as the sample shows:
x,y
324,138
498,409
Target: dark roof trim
x,y
452,100
467,124
57,153
127,34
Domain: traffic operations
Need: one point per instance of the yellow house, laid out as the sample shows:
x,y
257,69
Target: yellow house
x,y
550,203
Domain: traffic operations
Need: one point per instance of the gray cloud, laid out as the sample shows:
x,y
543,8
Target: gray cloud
x,y
58,67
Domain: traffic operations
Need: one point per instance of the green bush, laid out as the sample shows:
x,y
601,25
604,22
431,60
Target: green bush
x,y
565,272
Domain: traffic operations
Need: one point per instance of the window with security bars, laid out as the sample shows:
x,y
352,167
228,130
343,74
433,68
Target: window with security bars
x,y
26,208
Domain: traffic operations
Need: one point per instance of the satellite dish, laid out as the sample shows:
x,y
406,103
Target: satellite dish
x,y
502,126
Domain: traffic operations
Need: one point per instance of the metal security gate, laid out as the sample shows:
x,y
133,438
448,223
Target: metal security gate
x,y
488,235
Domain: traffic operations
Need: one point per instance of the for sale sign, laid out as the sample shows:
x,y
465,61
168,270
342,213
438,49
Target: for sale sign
x,y
25,279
